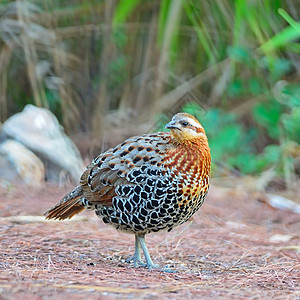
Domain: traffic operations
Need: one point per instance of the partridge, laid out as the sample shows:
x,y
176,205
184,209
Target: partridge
x,y
148,183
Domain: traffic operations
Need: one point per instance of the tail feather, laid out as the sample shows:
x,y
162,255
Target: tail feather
x,y
69,206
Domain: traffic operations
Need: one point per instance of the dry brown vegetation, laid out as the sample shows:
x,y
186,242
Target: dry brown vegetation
x,y
235,247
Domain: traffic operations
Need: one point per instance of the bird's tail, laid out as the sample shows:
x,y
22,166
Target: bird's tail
x,y
69,206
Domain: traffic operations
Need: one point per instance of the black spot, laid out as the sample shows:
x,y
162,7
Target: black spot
x,y
144,212
162,210
115,150
125,190
149,206
114,220
140,148
89,179
139,179
169,229
142,218
104,212
130,148
159,192
111,165
150,182
154,203
136,198
153,221
155,229
123,144
154,215
136,173
146,158
120,205
178,194
135,220
119,173
148,149
170,210
147,189
124,218
136,159
176,205
137,189
173,213
168,201
153,172
143,168
105,220
124,153
144,195
138,227
165,205
167,219
128,206
169,196
159,184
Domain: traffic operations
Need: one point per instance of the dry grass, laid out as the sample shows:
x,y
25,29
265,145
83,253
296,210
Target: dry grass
x,y
225,251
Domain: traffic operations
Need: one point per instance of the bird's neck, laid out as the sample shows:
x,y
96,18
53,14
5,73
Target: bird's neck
x,y
191,154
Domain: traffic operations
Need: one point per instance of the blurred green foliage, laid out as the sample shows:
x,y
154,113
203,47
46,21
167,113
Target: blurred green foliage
x,y
87,60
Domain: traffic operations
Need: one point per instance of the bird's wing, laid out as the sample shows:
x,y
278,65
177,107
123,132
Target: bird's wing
x,y
115,166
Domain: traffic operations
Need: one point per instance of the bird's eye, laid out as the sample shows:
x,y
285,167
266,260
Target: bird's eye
x,y
184,123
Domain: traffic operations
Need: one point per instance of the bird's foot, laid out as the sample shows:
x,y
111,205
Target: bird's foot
x,y
152,266
136,261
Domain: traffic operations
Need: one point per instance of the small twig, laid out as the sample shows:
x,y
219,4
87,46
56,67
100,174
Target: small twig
x,y
50,263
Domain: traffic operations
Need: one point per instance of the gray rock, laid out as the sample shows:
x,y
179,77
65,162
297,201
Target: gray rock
x,y
18,164
39,130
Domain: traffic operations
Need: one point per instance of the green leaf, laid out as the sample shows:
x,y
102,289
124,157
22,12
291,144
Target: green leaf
x,y
283,37
267,114
123,11
291,124
239,53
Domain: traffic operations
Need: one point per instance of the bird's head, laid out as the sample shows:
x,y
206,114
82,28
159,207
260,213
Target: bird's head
x,y
185,127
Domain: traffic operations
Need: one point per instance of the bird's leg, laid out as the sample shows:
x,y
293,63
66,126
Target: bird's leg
x,y
136,258
149,262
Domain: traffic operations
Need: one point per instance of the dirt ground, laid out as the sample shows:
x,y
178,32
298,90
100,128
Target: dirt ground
x,y
235,247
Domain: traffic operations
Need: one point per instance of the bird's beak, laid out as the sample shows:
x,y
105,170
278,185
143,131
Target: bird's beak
x,y
172,125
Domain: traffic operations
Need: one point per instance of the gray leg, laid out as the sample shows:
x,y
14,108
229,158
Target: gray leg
x,y
137,258
149,262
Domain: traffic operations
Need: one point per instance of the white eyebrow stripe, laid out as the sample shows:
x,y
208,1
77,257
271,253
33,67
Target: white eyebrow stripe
x,y
194,123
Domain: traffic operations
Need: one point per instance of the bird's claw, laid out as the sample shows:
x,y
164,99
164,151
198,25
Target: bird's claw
x,y
136,262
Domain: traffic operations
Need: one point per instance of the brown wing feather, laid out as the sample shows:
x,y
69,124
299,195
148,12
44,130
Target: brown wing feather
x,y
99,184
109,169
